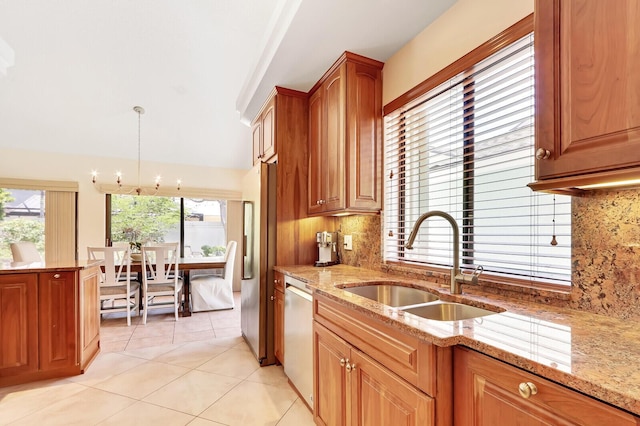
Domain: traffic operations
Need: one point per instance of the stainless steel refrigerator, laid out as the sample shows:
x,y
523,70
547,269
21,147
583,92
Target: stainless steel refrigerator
x,y
257,308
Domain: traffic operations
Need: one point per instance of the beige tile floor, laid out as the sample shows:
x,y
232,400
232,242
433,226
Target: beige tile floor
x,y
197,371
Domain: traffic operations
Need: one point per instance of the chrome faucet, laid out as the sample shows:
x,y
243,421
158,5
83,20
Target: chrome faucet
x,y
457,278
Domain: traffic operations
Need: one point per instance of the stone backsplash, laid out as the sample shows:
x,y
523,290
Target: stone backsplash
x,y
605,253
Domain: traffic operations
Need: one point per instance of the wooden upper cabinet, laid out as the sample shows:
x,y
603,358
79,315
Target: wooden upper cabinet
x,y
316,181
332,145
587,92
345,138
263,132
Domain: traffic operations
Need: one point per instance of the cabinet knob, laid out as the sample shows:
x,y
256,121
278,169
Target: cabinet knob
x,y
343,362
350,367
527,389
56,276
543,154
272,298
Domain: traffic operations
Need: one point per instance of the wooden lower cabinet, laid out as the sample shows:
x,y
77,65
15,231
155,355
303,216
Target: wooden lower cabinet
x,y
353,389
49,324
57,302
18,324
487,392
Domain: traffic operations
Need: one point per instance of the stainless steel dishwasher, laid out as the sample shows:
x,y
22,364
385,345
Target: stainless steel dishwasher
x,y
298,337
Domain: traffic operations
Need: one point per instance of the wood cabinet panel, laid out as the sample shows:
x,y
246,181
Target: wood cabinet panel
x,y
333,155
405,355
18,324
345,139
263,134
256,136
351,388
57,302
587,92
487,393
90,316
379,398
363,136
269,140
331,397
316,176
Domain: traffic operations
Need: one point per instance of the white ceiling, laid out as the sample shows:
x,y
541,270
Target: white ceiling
x,y
196,66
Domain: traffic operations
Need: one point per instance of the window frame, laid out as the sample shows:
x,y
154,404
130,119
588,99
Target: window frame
x,y
460,67
182,220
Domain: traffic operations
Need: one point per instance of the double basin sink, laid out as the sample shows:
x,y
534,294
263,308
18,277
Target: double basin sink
x,y
417,302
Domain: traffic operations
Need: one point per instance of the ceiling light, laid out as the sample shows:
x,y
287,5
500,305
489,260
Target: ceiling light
x,y
139,190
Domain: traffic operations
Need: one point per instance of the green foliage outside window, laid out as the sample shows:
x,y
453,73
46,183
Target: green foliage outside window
x,y
140,219
5,197
209,251
20,229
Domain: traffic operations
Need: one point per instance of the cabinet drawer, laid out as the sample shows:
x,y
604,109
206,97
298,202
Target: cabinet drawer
x,y
407,356
486,387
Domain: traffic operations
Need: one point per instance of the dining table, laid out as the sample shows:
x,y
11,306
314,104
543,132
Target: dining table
x,y
186,265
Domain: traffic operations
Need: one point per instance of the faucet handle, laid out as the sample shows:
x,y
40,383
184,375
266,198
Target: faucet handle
x,y
472,278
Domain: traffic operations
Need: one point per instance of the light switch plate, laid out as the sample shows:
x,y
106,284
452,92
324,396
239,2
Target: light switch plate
x,y
348,242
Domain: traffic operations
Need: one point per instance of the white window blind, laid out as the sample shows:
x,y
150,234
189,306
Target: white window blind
x,y
467,148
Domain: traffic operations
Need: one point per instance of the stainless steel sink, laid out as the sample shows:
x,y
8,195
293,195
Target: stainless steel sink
x,y
393,295
447,311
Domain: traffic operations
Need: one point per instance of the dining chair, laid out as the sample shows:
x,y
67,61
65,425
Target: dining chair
x,y
116,287
212,292
160,280
25,251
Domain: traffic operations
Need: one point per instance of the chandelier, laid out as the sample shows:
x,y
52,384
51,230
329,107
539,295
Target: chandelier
x,y
139,190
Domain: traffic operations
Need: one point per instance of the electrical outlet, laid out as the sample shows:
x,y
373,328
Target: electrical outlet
x,y
348,242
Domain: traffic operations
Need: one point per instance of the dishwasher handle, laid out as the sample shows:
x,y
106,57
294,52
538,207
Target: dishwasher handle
x,y
295,290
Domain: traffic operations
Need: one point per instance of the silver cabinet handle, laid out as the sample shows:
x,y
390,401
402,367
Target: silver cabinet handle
x,y
56,276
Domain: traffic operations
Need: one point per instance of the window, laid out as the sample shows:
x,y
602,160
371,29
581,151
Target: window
x,y
21,219
199,225
466,147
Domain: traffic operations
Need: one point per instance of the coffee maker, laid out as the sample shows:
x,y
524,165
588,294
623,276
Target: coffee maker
x,y
327,248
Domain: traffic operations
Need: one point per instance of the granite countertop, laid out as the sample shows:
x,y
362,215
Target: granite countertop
x,y
29,267
594,354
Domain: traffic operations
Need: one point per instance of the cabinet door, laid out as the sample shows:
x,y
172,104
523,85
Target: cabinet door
x,y
317,174
487,393
333,154
256,134
587,89
364,139
18,324
278,333
331,399
57,308
381,398
268,118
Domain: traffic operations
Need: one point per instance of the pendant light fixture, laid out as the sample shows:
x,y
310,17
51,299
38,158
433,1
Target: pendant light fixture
x,y
138,190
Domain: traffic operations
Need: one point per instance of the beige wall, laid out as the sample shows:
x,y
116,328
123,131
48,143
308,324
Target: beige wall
x,y
462,28
91,209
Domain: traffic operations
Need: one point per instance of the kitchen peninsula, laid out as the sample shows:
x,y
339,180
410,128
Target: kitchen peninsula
x,y
559,351
49,320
